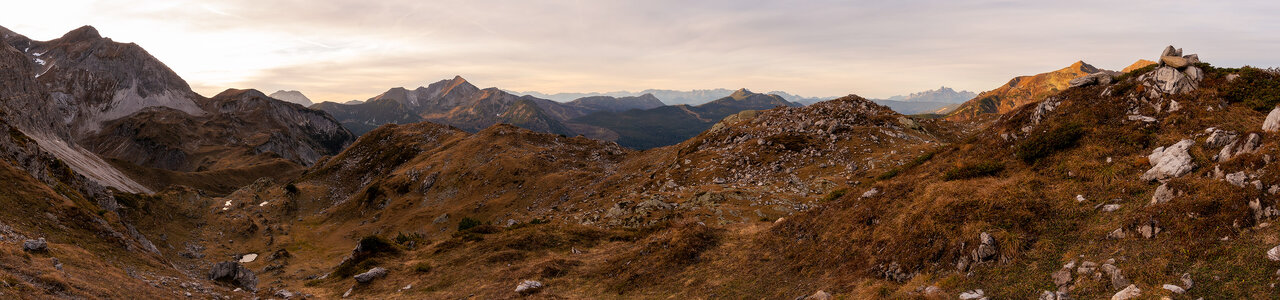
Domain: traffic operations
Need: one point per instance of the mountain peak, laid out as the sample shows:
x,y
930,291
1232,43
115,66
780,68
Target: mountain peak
x,y
1082,66
292,96
1137,65
240,93
458,79
83,33
741,93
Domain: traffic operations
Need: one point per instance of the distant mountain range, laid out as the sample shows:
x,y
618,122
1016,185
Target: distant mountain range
x,y
668,125
672,97
941,100
641,121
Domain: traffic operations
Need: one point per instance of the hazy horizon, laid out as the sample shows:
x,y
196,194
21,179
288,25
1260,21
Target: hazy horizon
x,y
342,50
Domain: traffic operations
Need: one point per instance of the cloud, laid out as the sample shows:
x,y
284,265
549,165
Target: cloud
x,y
354,49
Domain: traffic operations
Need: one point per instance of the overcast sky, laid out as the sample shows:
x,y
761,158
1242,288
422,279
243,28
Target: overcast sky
x,y
355,49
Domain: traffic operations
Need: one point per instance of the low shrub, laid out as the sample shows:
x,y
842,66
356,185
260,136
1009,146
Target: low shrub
x,y
1041,145
468,223
986,168
833,195
1256,88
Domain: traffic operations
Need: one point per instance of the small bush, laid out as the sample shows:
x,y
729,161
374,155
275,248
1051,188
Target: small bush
x,y
833,195
1042,145
291,189
363,257
1258,89
409,240
537,221
919,160
790,142
422,267
468,223
986,168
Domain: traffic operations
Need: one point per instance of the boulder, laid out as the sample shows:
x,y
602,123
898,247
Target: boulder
x,y
1163,194
1047,295
1117,278
1127,293
1274,254
1168,80
1100,78
371,275
973,295
1086,267
1175,289
1150,229
1176,62
1170,51
1186,280
530,287
286,294
1250,145
1110,207
1170,162
1272,123
1192,58
1194,74
988,249
36,245
1219,138
233,273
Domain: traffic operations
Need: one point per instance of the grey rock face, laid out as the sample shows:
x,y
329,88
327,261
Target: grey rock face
x,y
233,273
371,275
37,245
1170,162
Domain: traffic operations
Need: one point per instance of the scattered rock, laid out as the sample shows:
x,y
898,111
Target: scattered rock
x,y
530,287
1086,267
36,245
1080,198
1163,194
1047,295
973,295
1175,289
1116,234
248,258
231,272
348,293
1186,280
284,294
1061,277
871,193
1117,278
1274,254
1150,229
988,249
372,274
1170,162
1127,293
1110,207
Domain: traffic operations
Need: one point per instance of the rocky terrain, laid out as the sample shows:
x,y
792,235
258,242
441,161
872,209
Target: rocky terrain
x,y
1080,184
114,113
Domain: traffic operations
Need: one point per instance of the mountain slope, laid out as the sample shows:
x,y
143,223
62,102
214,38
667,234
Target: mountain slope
x,y
617,104
83,92
1021,90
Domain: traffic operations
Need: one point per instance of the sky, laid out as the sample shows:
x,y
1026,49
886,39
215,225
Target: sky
x,y
338,50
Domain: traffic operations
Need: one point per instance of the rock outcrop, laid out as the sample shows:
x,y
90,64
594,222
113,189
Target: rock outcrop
x,y
1169,162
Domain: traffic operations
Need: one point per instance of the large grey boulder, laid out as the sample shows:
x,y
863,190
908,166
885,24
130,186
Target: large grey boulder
x,y
36,245
1170,162
1272,123
233,273
371,275
1100,78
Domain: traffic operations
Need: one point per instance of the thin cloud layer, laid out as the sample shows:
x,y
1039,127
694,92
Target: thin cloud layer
x,y
352,49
